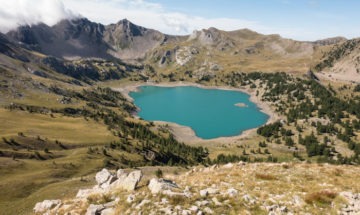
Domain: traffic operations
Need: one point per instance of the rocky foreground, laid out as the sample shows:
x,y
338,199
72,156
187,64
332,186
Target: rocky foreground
x,y
241,188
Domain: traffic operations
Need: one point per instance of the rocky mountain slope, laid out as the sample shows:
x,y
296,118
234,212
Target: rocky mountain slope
x,y
342,62
81,38
240,188
205,52
209,52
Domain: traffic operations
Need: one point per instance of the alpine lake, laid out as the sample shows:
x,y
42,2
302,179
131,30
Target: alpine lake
x,y
211,113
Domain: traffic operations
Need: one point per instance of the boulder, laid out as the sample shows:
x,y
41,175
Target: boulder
x,y
194,208
108,211
186,212
228,166
208,191
107,183
160,185
94,209
203,193
46,205
121,173
241,163
172,193
102,176
207,210
127,182
202,203
84,193
353,203
216,201
232,192
130,198
249,199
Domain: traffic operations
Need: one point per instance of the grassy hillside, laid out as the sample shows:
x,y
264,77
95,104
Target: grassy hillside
x,y
60,121
236,188
57,127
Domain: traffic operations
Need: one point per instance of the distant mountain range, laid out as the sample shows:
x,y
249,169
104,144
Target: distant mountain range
x,y
204,52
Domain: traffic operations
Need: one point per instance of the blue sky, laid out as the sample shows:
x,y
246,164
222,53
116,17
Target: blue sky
x,y
311,19
296,19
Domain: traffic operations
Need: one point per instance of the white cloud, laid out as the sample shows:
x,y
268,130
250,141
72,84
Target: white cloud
x,y
27,12
141,12
151,15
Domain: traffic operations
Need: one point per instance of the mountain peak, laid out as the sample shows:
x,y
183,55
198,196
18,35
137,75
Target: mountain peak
x,y
330,41
123,21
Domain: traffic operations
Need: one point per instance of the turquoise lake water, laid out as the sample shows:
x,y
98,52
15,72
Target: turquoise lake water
x,y
211,113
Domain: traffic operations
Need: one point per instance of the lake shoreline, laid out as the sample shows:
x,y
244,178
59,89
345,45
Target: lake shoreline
x,y
187,134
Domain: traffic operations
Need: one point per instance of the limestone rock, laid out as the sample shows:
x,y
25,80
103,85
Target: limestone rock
x,y
203,193
160,185
94,209
186,212
228,166
46,205
249,199
208,191
241,163
353,203
202,203
108,211
216,201
232,192
107,183
84,193
130,198
120,173
207,210
127,182
102,176
194,208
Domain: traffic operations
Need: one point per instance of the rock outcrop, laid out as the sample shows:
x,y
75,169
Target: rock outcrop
x,y
353,203
46,205
238,188
160,185
106,184
126,181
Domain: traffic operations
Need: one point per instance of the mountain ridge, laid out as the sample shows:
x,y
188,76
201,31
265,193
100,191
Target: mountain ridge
x,y
213,48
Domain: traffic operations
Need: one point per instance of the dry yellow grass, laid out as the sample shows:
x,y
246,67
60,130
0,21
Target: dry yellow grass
x,y
297,188
66,129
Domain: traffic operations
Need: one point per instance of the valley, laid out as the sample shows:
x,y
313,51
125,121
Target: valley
x,y
63,117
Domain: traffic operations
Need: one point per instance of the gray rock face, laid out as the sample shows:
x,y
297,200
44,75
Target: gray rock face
x,y
107,183
120,173
102,176
353,203
108,211
208,191
232,192
127,182
81,38
94,209
84,193
46,205
160,185
130,198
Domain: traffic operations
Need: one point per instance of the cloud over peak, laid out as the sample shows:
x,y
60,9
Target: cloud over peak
x,y
28,12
